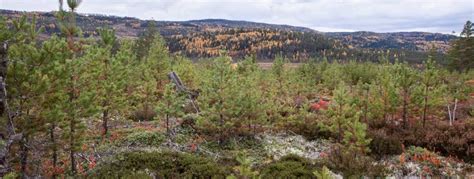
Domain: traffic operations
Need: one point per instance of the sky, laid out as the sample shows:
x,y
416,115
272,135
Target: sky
x,y
443,16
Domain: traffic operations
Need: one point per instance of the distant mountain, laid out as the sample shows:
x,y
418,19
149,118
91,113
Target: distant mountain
x,y
208,37
413,41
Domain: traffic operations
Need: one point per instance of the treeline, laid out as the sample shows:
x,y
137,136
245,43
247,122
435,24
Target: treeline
x,y
238,43
207,38
55,92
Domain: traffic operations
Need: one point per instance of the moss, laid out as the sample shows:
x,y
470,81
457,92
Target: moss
x,y
161,164
290,166
141,138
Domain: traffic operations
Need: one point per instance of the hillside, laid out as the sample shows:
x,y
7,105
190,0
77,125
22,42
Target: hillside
x,y
414,41
209,37
79,101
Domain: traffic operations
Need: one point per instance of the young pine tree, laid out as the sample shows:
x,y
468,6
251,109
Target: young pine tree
x,y
430,84
55,50
249,103
218,98
349,155
405,78
111,72
462,51
342,113
151,79
170,106
77,83
27,84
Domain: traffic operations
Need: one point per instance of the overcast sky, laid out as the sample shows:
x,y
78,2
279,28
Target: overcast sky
x,y
324,15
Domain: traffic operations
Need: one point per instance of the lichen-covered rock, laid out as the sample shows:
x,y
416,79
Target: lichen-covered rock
x,y
417,161
279,145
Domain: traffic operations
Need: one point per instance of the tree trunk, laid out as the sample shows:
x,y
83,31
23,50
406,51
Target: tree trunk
x,y
3,75
105,120
72,122
24,157
167,125
425,107
72,145
221,138
339,125
405,109
55,149
366,105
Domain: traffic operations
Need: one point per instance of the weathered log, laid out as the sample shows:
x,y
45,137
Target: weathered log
x,y
192,94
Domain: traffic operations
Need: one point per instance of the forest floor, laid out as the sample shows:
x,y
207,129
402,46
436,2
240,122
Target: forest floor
x,y
262,149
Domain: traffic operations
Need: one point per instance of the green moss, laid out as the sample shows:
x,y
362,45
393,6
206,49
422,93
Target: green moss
x,y
161,164
290,166
141,138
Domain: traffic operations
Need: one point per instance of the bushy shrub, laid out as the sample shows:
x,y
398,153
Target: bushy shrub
x,y
142,138
291,166
144,114
159,164
309,127
384,144
449,140
456,140
11,175
431,164
353,164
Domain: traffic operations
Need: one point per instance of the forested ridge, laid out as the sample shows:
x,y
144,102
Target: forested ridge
x,y
205,38
111,107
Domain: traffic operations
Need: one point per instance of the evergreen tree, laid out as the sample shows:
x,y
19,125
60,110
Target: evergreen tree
x,y
170,106
151,78
342,112
248,98
283,103
349,155
146,40
78,88
26,86
405,79
112,74
56,51
462,50
387,98
429,81
218,89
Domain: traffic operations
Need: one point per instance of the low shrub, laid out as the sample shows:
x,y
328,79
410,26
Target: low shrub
x,y
141,138
383,144
158,164
309,127
144,114
353,164
415,158
437,135
291,166
456,140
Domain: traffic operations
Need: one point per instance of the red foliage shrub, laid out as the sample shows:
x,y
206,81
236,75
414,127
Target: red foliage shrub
x,y
438,136
321,105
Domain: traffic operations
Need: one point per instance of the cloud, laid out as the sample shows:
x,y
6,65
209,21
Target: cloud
x,y
324,15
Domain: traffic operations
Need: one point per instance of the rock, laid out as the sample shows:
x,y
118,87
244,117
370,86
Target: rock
x,y
281,144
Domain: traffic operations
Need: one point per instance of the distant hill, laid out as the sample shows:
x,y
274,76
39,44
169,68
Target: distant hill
x,y
414,41
208,37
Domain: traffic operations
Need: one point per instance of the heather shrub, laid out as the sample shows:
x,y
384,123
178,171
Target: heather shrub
x,y
353,164
144,114
384,144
